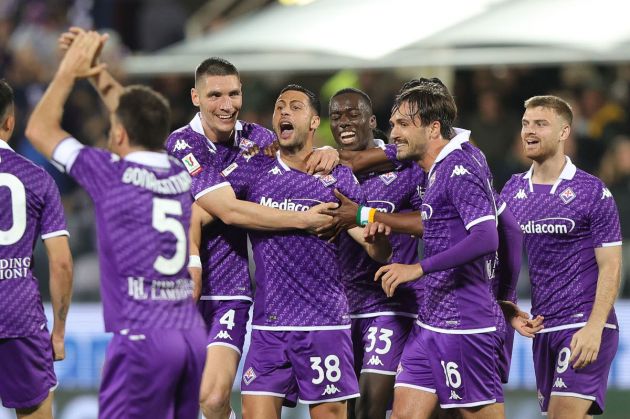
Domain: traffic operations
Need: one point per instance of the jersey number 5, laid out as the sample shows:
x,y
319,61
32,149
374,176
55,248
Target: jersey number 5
x,y
162,208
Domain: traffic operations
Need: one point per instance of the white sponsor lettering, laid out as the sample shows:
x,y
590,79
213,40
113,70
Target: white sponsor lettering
x,y
160,290
554,225
330,389
427,212
293,204
143,178
390,206
14,268
459,170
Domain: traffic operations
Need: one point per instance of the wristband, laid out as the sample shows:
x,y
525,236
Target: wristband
x,y
358,216
194,261
365,215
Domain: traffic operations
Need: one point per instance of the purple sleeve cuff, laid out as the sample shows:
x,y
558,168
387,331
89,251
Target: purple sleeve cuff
x,y
481,240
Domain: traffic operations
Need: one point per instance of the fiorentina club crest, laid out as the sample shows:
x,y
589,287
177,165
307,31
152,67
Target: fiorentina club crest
x,y
328,180
388,177
249,376
567,195
245,144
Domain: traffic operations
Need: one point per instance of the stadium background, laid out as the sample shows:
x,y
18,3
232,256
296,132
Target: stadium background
x,y
493,54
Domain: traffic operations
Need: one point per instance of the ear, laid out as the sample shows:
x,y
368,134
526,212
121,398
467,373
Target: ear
x,y
9,123
435,131
194,96
120,135
372,121
565,132
315,120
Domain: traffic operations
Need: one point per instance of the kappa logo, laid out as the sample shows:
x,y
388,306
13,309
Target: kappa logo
x,y
330,389
454,396
223,334
520,194
181,145
375,360
388,177
606,193
459,170
559,383
275,171
567,195
249,376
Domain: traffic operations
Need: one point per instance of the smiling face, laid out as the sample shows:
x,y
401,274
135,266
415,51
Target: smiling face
x,y
351,121
219,99
408,133
543,133
294,120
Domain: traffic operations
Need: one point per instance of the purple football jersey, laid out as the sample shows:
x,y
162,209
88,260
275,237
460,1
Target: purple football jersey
x,y
457,197
223,248
298,279
32,209
562,225
142,205
395,191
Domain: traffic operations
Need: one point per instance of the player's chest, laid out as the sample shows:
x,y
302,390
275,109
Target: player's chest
x,y
386,192
291,190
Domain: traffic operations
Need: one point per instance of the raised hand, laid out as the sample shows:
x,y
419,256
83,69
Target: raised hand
x,y
322,160
81,55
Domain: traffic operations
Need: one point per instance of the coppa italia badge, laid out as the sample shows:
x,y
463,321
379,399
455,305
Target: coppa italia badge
x,y
567,195
191,163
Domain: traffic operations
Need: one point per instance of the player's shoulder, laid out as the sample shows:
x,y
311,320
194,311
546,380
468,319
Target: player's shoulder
x,y
590,185
184,138
459,163
23,168
254,134
516,180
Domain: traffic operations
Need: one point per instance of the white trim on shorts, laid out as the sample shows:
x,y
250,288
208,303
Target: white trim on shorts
x,y
300,328
426,389
577,395
225,297
456,331
572,326
228,345
53,388
211,188
383,313
377,372
473,404
336,399
263,393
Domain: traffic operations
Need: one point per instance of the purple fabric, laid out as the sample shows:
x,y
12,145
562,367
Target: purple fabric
x,y
31,209
510,253
481,240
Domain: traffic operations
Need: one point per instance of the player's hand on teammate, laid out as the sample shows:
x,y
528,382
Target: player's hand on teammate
x,y
376,231
58,347
322,160
393,275
585,345
345,215
520,320
315,220
81,55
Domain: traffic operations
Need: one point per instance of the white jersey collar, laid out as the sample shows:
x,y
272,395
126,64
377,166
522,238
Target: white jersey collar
x,y
149,158
5,145
197,126
568,172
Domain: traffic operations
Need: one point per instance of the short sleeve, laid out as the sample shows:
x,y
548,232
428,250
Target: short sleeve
x,y
207,181
468,193
190,148
53,222
349,186
604,219
242,173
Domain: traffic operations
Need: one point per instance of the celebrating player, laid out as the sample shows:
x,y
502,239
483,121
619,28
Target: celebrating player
x,y
142,201
32,208
380,325
573,244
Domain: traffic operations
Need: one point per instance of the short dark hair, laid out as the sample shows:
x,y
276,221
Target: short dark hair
x,y
430,102
146,116
423,81
6,99
215,66
556,103
352,90
313,99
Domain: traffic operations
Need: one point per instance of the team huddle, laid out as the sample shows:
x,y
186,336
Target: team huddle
x,y
347,318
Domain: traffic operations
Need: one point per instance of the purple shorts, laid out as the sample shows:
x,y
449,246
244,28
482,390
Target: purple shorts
x,y
316,365
226,321
378,343
461,369
556,377
27,375
153,374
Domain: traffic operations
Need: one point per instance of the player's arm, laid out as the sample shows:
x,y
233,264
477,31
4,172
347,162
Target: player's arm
x,y
586,342
373,239
221,202
60,268
44,126
366,160
108,88
198,219
510,252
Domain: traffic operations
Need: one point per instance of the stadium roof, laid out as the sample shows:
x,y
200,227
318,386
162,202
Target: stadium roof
x,y
335,34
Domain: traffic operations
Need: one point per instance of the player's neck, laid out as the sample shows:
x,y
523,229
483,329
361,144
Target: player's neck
x,y
547,172
428,159
295,157
214,135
